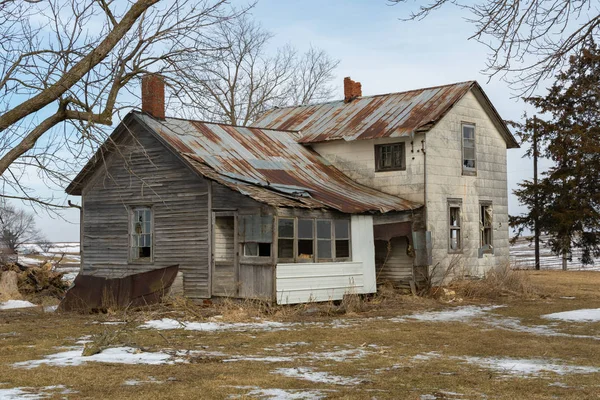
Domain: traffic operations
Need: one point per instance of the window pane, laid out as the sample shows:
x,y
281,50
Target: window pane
x,y
264,249
286,228
251,249
454,216
285,248
455,239
468,132
305,249
469,154
469,163
342,248
324,249
342,229
398,156
305,228
323,229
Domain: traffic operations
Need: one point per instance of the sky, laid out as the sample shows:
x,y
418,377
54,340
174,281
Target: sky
x,y
382,52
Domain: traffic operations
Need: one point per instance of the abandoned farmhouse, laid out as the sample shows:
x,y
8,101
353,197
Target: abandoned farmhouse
x,y
309,202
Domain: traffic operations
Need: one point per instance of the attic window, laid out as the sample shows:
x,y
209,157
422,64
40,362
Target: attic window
x,y
390,157
469,166
140,234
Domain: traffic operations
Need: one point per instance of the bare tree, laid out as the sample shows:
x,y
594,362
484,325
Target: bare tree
x,y
241,80
17,227
64,65
528,41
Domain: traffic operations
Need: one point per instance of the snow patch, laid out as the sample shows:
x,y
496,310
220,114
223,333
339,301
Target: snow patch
x,y
12,304
532,367
457,314
582,315
286,394
20,393
311,375
117,355
168,324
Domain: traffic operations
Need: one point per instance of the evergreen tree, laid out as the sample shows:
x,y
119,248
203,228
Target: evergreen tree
x,y
568,194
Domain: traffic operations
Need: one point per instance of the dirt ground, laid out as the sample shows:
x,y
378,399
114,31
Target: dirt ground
x,y
390,346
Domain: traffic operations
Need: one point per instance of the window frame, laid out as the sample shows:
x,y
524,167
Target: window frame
x,y
455,203
130,247
378,158
486,248
243,240
315,258
468,171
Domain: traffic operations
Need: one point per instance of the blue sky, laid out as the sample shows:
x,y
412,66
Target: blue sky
x,y
382,52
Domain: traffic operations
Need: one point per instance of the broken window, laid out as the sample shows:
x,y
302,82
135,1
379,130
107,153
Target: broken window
x,y
141,233
454,226
342,238
468,149
300,238
256,235
390,157
305,239
485,227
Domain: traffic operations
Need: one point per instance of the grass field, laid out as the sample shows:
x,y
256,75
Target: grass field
x,y
388,347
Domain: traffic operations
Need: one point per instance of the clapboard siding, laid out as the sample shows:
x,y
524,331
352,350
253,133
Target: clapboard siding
x,y
144,172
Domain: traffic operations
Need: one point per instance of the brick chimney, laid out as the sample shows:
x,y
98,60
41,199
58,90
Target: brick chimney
x,y
153,95
352,90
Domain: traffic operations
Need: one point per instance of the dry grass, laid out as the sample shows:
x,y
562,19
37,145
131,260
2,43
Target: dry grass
x,y
385,367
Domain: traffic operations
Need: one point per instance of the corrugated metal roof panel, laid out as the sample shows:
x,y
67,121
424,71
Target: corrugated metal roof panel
x,y
390,115
269,166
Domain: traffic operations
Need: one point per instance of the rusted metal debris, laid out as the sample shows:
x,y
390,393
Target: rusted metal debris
x,y
97,293
269,166
369,117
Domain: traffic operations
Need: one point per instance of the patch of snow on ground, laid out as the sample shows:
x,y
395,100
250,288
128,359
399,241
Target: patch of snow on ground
x,y
426,356
167,324
310,374
270,359
33,393
456,314
135,382
514,324
582,315
50,308
117,355
12,304
512,366
286,394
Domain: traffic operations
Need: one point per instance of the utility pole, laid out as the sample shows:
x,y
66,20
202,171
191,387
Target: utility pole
x,y
536,225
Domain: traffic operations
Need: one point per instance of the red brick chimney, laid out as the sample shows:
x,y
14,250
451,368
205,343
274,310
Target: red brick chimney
x,y
352,90
153,95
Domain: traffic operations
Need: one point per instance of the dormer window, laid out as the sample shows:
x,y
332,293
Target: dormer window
x,y
469,165
390,157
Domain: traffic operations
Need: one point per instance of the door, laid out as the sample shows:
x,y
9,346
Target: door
x,y
225,271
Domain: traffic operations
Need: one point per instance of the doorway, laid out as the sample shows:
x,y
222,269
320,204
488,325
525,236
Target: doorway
x,y
225,257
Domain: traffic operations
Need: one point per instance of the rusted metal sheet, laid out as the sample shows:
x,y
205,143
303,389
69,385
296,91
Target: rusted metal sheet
x,y
269,166
93,292
369,117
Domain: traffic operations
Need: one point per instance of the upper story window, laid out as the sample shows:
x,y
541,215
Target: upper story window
x,y
313,240
390,157
140,233
469,166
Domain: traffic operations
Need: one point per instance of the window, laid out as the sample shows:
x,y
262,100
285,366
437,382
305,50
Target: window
x,y
313,239
141,233
342,238
485,227
468,149
454,226
256,235
285,241
390,157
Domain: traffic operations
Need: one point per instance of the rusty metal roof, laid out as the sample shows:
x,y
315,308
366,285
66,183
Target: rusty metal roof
x,y
269,166
370,117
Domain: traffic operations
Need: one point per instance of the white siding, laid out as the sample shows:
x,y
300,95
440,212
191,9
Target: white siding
x,y
303,283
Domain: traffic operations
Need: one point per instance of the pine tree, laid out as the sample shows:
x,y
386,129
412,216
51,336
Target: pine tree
x,y
568,195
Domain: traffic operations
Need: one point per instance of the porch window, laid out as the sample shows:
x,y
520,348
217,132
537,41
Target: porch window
x,y
469,166
313,240
485,226
390,157
140,233
454,226
256,235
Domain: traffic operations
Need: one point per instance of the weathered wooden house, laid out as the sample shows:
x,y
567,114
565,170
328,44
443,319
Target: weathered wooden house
x,y
309,203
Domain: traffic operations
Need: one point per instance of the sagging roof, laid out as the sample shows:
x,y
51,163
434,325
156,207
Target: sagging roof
x,y
388,115
269,166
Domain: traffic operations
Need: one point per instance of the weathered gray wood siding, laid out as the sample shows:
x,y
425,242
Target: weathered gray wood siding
x,y
143,172
255,275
